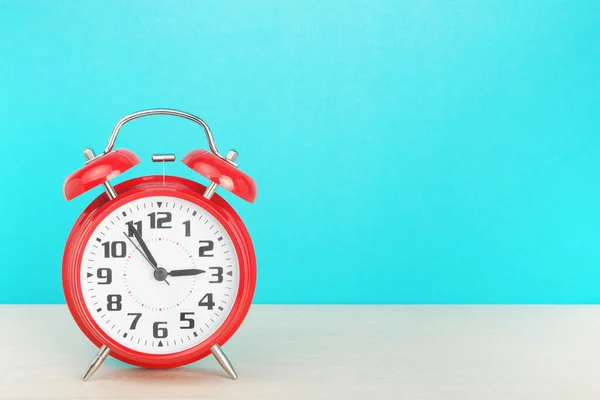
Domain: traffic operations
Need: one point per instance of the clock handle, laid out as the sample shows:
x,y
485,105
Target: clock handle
x,y
166,111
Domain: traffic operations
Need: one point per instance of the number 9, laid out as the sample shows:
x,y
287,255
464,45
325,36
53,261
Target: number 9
x,y
104,273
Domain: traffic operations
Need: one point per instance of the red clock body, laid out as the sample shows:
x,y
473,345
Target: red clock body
x,y
166,300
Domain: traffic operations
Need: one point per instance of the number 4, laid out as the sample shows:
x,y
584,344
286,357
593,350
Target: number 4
x,y
209,303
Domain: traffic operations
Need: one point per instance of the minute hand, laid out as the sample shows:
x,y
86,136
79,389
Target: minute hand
x,y
144,255
147,253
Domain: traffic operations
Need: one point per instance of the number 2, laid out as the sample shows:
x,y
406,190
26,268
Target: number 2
x,y
208,246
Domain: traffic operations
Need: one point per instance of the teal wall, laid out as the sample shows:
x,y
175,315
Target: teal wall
x,y
405,151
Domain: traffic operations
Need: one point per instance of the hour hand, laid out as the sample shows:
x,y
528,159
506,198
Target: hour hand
x,y
186,272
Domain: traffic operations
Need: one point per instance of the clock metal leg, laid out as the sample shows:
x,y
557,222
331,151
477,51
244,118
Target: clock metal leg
x,y
210,190
110,191
98,360
223,361
88,154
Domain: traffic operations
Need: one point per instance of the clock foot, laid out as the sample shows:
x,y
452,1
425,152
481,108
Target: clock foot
x,y
223,361
100,357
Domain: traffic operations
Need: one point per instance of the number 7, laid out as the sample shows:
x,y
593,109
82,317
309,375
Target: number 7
x,y
135,319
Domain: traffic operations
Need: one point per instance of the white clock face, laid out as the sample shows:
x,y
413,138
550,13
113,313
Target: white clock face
x,y
159,275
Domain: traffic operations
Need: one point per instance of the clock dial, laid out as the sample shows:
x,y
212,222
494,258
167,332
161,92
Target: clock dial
x,y
159,275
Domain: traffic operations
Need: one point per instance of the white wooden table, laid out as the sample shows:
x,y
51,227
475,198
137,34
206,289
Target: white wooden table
x,y
329,352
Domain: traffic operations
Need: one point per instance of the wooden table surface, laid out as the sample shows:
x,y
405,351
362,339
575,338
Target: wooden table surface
x,y
329,352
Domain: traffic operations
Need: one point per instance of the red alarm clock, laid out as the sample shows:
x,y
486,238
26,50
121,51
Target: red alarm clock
x,y
159,271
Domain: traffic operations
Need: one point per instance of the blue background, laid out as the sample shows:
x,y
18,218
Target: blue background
x,y
405,151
